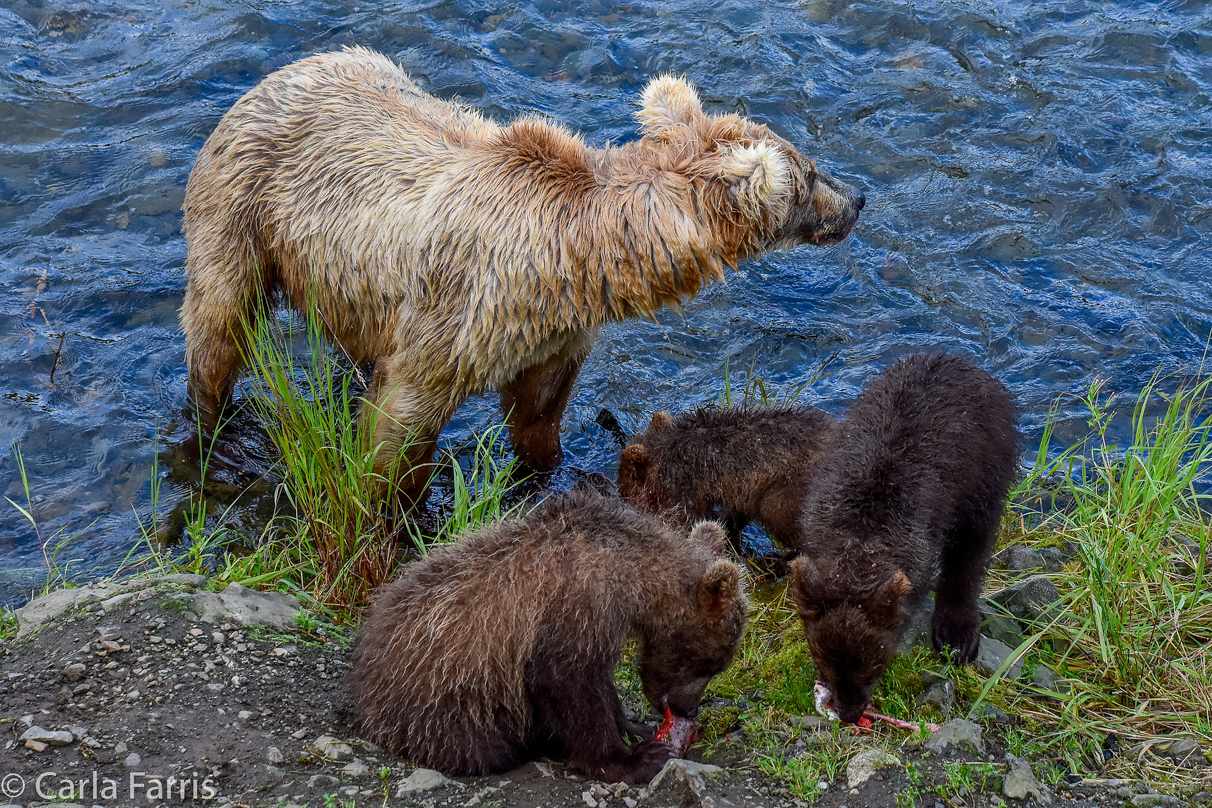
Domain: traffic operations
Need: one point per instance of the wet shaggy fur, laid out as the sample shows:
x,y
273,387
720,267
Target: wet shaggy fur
x,y
502,647
457,254
735,465
909,499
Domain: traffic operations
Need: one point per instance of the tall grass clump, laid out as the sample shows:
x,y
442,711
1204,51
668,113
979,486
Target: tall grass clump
x,y
338,536
1134,634
338,518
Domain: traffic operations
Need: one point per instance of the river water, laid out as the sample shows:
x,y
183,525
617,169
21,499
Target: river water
x,y
1038,178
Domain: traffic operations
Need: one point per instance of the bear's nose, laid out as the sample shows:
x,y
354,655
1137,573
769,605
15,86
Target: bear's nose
x,y
858,203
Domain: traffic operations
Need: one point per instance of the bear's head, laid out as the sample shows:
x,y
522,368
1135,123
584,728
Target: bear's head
x,y
754,178
852,635
697,631
637,478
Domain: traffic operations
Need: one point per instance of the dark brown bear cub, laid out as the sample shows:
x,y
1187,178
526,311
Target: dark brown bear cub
x,y
909,499
502,647
737,465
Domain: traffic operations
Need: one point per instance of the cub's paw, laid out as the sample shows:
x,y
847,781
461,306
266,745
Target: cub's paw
x,y
958,633
647,759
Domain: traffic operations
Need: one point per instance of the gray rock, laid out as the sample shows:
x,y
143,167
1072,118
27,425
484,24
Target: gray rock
x,y
321,782
1186,559
1183,752
74,672
132,760
995,714
109,604
1045,679
40,611
1054,558
355,768
681,782
1020,782
242,605
1202,798
990,656
1157,801
1000,626
50,737
865,764
329,747
1018,558
1033,600
939,694
956,733
275,756
422,780
919,631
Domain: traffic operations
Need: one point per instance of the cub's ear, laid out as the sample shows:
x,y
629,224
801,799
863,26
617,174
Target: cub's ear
x,y
808,587
633,470
758,177
712,536
886,603
720,587
659,423
667,102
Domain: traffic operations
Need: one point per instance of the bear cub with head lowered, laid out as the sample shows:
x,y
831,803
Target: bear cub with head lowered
x,y
736,465
502,647
909,499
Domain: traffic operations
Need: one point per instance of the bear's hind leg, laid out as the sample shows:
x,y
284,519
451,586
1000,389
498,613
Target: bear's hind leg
x,y
957,619
223,295
534,402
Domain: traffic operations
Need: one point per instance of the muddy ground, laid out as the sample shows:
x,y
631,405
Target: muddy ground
x,y
152,706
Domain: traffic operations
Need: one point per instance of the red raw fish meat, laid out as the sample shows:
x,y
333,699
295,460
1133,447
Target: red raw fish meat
x,y
677,732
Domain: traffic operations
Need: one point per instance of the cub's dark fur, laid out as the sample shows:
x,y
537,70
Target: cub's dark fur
x,y
736,465
909,499
503,646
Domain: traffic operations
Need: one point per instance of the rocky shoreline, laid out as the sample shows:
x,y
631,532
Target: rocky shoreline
x,y
156,691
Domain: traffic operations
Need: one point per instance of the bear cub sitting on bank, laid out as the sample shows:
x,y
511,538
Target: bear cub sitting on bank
x,y
909,499
735,465
502,647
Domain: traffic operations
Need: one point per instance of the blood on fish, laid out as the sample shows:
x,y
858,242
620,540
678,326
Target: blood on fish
x,y
677,731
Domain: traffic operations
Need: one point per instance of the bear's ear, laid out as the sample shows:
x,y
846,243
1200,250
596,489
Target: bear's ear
x,y
712,536
720,587
667,102
885,605
659,423
758,176
808,587
633,470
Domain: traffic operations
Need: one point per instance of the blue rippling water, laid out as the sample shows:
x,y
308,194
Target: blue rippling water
x,y
1037,173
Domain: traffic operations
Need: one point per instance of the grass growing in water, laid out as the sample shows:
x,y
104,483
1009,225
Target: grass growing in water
x,y
340,532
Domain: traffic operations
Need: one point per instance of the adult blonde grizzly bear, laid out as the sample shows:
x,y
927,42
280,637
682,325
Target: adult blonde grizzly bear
x,y
459,255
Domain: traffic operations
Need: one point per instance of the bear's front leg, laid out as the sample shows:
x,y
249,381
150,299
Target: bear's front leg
x,y
576,706
966,551
534,402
